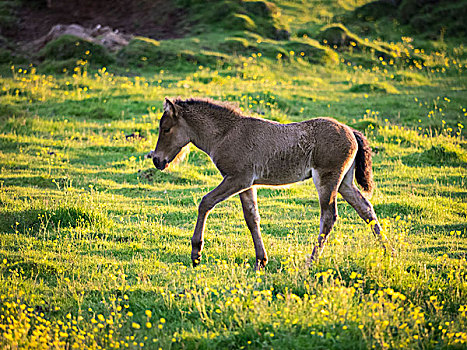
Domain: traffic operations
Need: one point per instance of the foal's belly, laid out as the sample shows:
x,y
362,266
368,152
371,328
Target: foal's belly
x,y
282,176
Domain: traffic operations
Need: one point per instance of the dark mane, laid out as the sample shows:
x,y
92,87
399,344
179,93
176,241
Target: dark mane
x,y
225,107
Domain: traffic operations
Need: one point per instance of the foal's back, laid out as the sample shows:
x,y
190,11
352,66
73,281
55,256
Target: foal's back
x,y
274,154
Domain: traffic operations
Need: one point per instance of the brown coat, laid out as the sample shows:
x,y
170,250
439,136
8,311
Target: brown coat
x,y
251,151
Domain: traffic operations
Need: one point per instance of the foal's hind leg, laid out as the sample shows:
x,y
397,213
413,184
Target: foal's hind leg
x,y
250,212
327,184
362,206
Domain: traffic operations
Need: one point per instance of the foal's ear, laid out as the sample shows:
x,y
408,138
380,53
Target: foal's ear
x,y
170,108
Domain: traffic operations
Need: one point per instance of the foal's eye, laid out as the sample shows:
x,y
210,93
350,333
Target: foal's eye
x,y
165,131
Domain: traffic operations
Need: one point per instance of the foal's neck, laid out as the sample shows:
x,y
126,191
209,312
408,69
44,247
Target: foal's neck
x,y
209,124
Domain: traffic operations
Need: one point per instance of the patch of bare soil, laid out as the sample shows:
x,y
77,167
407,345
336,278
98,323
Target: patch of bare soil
x,y
157,19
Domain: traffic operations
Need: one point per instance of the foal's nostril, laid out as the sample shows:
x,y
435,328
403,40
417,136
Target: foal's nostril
x,y
161,165
156,162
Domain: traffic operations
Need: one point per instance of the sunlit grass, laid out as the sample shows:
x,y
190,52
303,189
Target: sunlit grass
x,y
95,244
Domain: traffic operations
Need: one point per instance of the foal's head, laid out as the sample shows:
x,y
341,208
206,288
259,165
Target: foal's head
x,y
173,135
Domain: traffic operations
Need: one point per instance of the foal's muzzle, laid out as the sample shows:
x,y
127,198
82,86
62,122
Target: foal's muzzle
x,y
161,165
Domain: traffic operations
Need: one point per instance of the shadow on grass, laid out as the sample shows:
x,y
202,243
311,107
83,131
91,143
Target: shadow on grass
x,y
446,229
44,271
155,176
13,146
101,155
442,155
462,195
140,251
149,176
393,208
93,109
40,181
440,250
31,220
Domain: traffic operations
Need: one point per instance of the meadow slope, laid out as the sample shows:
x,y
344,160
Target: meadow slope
x,y
95,242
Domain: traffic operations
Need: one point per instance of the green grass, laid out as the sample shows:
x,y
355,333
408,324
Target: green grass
x,y
95,243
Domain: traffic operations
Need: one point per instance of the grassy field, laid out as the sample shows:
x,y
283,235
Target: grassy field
x,y
95,243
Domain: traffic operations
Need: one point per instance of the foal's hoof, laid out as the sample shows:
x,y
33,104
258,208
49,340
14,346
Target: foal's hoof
x,y
196,262
261,264
310,262
389,251
312,259
196,258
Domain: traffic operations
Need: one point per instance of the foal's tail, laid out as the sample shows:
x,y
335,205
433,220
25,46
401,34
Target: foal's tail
x,y
363,164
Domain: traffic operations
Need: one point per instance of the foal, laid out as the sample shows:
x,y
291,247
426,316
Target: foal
x,y
251,151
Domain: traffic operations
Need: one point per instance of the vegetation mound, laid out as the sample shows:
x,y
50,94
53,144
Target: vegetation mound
x,y
430,18
340,38
68,47
337,35
261,17
143,52
312,51
6,56
365,123
411,78
307,49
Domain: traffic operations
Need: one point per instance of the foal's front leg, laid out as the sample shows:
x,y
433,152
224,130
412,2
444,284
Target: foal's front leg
x,y
228,187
